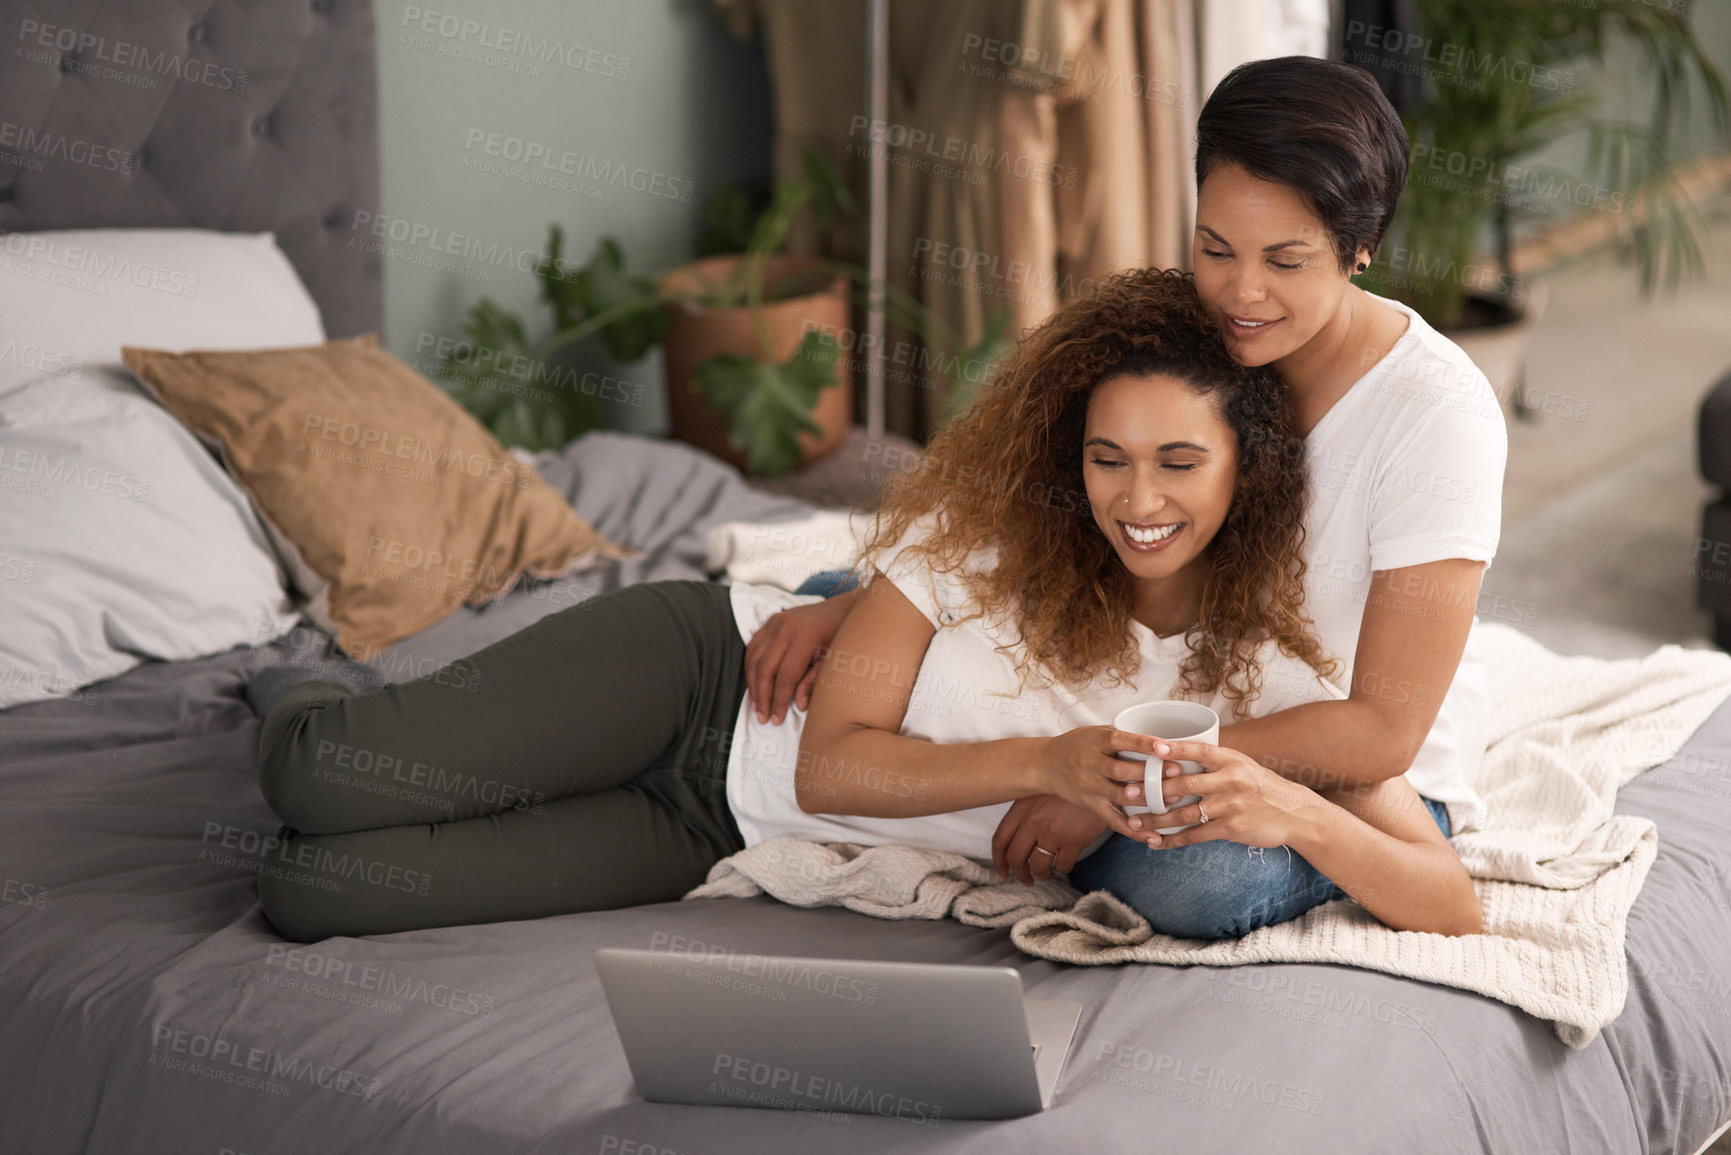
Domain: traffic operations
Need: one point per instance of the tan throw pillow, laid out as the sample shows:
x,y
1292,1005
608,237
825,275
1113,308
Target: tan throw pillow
x,y
391,504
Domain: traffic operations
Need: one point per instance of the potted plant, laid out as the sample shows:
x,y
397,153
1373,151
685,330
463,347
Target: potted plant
x,y
753,367
751,341
1503,88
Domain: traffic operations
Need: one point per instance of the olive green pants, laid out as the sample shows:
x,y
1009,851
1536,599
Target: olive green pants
x,y
580,764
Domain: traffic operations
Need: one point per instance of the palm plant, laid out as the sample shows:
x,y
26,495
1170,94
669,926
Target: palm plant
x,y
1504,86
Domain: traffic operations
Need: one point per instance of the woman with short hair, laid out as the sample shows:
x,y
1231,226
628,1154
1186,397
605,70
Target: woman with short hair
x,y
1299,165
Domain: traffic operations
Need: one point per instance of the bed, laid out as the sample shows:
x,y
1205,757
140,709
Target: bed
x,y
146,1006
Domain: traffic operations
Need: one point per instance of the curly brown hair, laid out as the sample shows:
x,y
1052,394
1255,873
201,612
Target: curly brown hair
x,y
1006,474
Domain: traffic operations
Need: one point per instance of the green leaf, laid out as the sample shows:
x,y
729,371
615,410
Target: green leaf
x,y
766,405
603,284
498,378
831,199
976,362
559,284
492,327
726,223
481,368
516,425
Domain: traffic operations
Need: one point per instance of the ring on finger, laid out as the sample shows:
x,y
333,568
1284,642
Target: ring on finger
x,y
1043,850
1202,812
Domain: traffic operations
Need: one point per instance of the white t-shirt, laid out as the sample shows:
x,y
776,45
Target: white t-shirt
x,y
965,691
1405,469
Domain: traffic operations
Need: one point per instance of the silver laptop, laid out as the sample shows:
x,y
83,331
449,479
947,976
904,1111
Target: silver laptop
x,y
916,1041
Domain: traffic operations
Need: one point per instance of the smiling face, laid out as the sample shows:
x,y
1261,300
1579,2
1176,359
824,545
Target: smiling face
x,y
1160,465
1265,266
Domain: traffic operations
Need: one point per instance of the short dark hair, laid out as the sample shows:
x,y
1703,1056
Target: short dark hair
x,y
1321,127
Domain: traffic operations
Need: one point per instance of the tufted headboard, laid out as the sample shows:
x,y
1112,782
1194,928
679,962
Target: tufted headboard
x,y
236,115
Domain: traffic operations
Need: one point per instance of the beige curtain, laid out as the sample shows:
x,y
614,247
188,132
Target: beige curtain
x,y
1035,146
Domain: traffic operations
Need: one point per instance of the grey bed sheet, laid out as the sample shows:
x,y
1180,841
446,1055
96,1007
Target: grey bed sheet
x,y
145,1005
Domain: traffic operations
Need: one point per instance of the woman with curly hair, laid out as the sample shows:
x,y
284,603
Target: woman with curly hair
x,y
1117,519
1299,165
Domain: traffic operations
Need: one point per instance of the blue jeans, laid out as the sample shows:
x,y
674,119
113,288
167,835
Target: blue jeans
x,y
828,583
1211,889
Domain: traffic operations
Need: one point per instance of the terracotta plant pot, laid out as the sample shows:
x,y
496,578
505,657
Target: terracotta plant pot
x,y
697,332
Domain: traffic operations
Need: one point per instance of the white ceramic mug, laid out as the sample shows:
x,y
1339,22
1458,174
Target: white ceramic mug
x,y
1175,722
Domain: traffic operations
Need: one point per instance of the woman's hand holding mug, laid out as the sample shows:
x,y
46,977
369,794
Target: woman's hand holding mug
x,y
1243,800
1082,766
1171,721
1200,791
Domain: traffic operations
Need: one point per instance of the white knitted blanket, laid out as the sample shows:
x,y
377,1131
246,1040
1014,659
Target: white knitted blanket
x,y
1555,870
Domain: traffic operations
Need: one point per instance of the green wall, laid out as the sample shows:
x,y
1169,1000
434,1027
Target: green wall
x,y
611,117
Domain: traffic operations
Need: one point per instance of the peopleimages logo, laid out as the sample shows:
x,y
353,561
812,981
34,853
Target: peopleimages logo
x,y
1446,62
482,366
91,266
317,866
40,358
225,1061
58,146
951,156
349,976
1232,1086
1079,77
23,893
737,1076
446,783
43,472
499,44
783,974
537,154
369,439
125,54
